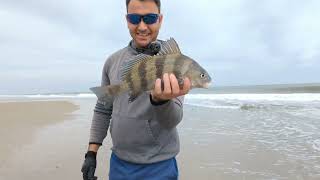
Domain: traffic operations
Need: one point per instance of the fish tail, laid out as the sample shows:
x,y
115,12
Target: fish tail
x,y
108,92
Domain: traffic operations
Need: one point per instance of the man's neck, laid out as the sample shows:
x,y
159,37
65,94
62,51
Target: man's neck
x,y
136,46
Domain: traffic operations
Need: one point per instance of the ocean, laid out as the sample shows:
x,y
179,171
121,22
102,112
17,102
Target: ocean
x,y
268,132
243,132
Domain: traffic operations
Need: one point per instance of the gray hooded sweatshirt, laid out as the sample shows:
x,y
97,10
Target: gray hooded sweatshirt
x,y
142,131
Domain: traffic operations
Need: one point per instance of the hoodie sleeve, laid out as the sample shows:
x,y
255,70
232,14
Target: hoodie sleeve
x,y
168,113
101,114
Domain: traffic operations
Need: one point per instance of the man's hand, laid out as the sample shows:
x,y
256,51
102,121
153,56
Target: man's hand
x,y
171,88
89,166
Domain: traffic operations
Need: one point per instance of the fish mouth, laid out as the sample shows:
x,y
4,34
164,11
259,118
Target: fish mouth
x,y
206,85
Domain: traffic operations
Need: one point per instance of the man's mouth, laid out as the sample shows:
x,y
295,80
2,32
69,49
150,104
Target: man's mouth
x,y
143,34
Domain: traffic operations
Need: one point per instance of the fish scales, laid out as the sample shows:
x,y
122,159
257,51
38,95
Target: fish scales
x,y
151,70
135,79
159,63
169,62
142,75
129,81
180,65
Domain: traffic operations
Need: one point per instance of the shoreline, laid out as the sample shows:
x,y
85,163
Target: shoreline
x,y
47,139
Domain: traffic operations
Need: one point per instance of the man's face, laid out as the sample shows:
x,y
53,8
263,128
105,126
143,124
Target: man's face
x,y
143,33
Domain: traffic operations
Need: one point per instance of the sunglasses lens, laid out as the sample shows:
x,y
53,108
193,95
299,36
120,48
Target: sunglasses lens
x,y
134,18
150,18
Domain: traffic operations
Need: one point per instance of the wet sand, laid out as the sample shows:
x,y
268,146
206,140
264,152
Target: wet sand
x,y
19,125
48,139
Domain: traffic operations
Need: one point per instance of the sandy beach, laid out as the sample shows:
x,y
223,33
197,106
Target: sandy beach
x,y
20,120
47,139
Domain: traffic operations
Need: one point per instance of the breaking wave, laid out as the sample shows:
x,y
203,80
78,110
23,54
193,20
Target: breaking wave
x,y
253,101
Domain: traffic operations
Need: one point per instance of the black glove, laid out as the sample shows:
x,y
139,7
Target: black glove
x,y
89,166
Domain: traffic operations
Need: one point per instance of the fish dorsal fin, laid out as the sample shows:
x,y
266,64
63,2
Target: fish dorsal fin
x,y
131,63
169,47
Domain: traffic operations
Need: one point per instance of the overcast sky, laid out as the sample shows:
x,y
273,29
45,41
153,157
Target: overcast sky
x,y
60,46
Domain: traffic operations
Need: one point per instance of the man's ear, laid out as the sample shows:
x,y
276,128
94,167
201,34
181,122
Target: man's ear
x,y
160,18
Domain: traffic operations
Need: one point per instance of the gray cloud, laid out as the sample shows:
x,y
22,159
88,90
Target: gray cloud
x,y
257,41
61,45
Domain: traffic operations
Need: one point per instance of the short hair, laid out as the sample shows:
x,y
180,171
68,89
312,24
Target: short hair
x,y
158,3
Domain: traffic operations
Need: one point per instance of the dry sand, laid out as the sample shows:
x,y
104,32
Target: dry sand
x,y
19,124
47,139
19,120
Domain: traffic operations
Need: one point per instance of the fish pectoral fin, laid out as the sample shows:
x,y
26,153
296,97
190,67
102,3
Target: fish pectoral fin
x,y
180,82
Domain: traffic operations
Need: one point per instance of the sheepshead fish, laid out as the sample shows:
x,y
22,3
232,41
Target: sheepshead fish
x,y
141,72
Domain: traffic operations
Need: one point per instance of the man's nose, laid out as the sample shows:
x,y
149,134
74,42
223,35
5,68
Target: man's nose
x,y
142,26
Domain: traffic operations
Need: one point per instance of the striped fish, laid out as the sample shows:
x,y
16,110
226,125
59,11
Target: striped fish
x,y
139,74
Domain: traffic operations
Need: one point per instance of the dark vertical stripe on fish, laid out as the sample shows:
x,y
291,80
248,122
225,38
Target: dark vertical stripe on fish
x,y
159,63
179,62
151,73
129,81
142,74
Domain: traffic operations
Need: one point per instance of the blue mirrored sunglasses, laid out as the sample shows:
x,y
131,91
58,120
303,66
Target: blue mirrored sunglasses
x,y
148,18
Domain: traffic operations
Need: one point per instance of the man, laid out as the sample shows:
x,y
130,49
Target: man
x,y
144,136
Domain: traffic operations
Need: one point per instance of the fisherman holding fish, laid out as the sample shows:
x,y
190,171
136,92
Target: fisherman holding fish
x,y
141,99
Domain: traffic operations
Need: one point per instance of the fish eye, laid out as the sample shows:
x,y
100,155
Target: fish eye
x,y
202,75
